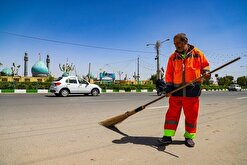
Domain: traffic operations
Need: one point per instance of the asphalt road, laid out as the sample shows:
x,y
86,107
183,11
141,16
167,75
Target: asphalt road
x,y
41,129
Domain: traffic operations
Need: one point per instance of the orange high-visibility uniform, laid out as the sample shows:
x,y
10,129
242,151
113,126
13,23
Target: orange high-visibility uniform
x,y
179,72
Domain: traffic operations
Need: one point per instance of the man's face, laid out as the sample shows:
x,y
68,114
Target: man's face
x,y
180,46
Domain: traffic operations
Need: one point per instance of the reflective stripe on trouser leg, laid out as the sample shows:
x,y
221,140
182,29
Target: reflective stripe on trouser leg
x,y
172,115
189,135
191,108
169,132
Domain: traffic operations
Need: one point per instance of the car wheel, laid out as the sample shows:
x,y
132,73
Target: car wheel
x,y
95,92
64,92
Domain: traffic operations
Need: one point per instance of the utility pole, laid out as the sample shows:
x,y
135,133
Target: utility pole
x,y
89,71
138,71
66,65
75,72
157,48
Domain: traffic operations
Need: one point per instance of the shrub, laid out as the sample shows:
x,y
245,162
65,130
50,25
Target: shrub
x,y
46,85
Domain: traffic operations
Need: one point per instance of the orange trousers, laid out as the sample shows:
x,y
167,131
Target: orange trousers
x,y
190,107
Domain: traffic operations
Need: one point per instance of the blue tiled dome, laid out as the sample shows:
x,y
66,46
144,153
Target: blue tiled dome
x,y
6,72
39,69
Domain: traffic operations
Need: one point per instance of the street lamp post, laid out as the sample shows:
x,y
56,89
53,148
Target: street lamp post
x,y
157,48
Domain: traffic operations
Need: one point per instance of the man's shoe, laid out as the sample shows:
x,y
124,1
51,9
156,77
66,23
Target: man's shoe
x,y
189,142
165,140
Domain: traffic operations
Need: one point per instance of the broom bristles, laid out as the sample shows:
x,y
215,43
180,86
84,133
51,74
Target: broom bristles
x,y
117,119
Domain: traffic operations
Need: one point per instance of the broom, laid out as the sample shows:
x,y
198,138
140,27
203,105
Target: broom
x,y
118,119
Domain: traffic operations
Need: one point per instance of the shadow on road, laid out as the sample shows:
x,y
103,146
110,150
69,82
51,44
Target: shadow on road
x,y
144,140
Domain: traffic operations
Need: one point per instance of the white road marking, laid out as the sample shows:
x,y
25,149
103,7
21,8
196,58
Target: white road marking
x,y
95,101
158,107
240,98
110,100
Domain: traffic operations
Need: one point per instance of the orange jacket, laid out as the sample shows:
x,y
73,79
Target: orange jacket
x,y
180,71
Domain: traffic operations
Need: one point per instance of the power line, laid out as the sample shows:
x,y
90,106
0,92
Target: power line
x,y
123,61
75,44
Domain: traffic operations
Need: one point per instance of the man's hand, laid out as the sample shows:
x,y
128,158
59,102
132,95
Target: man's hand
x,y
168,89
207,75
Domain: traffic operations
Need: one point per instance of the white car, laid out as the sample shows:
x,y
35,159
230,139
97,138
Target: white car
x,y
234,87
64,86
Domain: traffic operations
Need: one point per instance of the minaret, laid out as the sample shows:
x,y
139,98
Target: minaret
x,y
48,63
25,65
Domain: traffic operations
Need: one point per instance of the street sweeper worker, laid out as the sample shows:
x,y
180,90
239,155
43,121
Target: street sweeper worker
x,y
184,65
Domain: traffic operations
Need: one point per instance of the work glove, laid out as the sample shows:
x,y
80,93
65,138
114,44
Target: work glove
x,y
168,88
207,75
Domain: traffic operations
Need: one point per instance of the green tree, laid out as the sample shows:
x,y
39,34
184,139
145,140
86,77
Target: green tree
x,y
50,79
242,81
225,81
207,81
153,78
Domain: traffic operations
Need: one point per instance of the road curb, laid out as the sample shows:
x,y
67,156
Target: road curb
x,y
47,91
106,91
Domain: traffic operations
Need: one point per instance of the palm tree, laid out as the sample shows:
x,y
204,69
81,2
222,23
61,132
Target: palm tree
x,y
15,69
67,68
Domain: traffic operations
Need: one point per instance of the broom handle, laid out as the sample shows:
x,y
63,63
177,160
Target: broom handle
x,y
183,86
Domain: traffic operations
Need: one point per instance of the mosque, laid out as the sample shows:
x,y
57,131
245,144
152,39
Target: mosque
x,y
40,72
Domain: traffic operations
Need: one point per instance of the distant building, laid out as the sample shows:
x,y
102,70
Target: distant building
x,y
39,69
6,72
107,77
40,72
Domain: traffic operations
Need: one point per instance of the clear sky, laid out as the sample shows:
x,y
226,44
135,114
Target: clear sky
x,y
217,27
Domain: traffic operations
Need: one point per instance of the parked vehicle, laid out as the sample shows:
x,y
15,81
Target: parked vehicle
x,y
234,87
65,86
160,87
